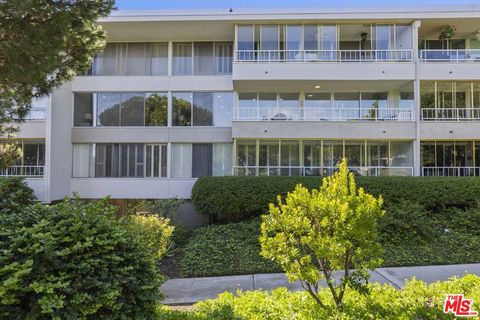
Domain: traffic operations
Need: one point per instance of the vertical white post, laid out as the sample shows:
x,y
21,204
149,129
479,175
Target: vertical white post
x,y
416,91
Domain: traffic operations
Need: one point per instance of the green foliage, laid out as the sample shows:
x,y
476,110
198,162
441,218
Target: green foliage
x,y
408,221
154,232
10,152
14,193
416,301
44,44
156,110
225,250
161,207
238,198
313,234
74,260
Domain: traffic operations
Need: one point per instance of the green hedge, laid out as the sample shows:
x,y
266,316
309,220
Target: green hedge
x,y
228,249
237,198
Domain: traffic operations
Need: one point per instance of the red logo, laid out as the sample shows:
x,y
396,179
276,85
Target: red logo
x,y
459,306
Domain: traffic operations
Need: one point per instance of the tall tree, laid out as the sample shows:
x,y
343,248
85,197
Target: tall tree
x,y
43,43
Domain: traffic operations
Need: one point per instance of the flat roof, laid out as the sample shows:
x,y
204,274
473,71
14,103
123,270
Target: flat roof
x,y
234,14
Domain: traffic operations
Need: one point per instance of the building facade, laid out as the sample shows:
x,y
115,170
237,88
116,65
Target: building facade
x,y
180,95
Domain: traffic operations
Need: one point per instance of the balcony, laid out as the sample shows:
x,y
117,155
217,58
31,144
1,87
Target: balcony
x,y
452,55
450,114
23,171
318,171
344,114
451,171
266,56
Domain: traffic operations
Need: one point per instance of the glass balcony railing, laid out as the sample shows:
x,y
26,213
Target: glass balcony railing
x,y
319,171
323,55
23,171
451,171
314,114
463,55
450,114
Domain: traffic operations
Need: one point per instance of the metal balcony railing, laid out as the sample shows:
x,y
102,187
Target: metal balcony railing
x,y
323,55
319,114
23,171
450,114
440,55
318,171
451,171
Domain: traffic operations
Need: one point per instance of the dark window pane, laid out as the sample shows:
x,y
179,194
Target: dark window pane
x,y
201,160
136,59
132,109
156,109
202,108
182,109
83,110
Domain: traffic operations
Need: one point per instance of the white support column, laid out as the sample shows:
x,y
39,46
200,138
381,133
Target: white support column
x,y
416,91
169,160
169,108
170,58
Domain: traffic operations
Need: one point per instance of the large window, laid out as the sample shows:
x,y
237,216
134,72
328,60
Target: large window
x,y
119,160
202,108
322,157
120,109
124,160
202,58
201,159
133,59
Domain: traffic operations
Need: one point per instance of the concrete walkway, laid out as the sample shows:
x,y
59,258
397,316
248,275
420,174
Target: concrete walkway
x,y
191,290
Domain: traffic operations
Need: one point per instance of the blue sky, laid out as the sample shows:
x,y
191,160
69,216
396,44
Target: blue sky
x,y
220,4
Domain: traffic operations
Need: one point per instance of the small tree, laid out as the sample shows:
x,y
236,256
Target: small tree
x,y
312,234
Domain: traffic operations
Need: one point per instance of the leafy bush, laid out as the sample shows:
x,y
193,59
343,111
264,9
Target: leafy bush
x,y
312,234
74,260
238,198
416,301
161,207
225,250
154,232
14,193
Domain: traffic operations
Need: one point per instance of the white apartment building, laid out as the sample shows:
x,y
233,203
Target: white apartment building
x,y
177,95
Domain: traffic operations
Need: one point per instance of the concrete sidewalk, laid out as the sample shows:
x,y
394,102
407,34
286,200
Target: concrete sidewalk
x,y
191,290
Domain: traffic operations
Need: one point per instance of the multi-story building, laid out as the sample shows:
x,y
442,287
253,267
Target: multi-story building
x,y
181,94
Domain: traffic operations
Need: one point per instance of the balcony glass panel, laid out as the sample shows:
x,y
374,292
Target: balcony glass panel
x,y
246,157
377,154
269,158
290,158
332,153
108,109
156,109
82,109
403,37
203,58
182,108
132,110
222,109
182,58
202,108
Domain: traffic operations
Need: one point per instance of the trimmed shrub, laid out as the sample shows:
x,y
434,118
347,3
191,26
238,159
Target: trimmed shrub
x,y
238,198
225,250
74,260
14,193
416,301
